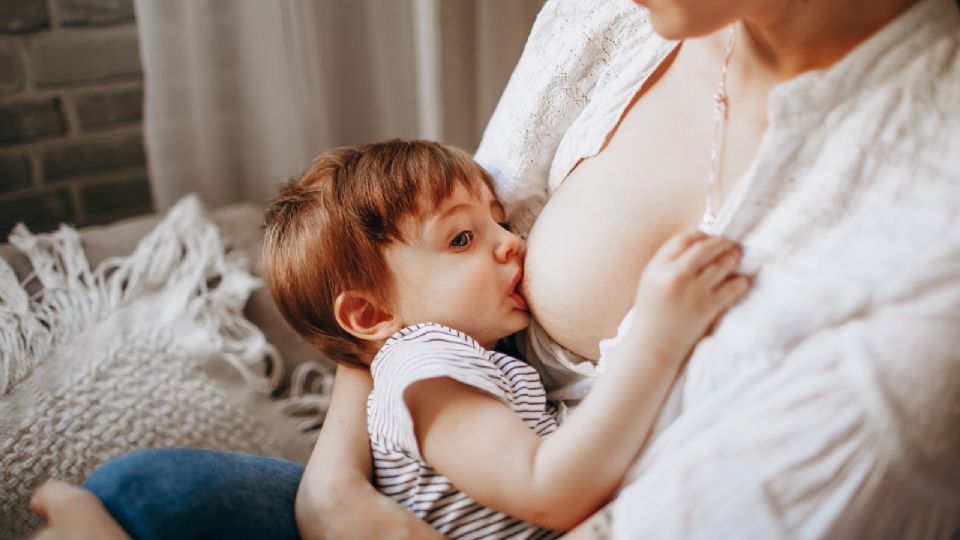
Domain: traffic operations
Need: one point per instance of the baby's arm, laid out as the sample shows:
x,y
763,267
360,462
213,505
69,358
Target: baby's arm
x,y
335,498
556,482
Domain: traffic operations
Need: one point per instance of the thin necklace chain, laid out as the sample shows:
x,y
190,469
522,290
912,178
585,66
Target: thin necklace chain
x,y
720,104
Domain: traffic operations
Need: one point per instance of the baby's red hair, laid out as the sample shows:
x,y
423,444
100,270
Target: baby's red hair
x,y
326,232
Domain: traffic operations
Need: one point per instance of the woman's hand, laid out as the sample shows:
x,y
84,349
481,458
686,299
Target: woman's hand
x,y
686,286
335,498
73,513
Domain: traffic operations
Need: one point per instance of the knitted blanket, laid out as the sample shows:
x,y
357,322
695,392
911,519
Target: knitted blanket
x,y
149,350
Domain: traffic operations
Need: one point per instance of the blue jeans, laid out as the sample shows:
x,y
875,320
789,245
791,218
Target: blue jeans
x,y
184,494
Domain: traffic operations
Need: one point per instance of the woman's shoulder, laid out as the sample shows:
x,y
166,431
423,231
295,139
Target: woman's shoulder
x,y
590,19
574,49
917,98
573,42
891,100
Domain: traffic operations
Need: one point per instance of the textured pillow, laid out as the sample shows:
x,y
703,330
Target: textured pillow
x,y
149,350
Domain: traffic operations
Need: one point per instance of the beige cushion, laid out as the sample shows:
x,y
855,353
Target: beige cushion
x,y
241,228
148,348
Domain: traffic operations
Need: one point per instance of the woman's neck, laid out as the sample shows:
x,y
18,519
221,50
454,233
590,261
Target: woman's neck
x,y
802,35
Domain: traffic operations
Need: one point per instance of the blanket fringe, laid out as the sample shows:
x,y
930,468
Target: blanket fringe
x,y
183,252
311,390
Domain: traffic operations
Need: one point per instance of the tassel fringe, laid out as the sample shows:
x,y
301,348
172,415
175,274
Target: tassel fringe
x,y
184,252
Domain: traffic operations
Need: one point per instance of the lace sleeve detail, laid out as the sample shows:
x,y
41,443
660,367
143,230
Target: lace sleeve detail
x,y
569,49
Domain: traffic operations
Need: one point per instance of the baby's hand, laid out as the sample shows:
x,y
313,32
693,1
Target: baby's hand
x,y
684,288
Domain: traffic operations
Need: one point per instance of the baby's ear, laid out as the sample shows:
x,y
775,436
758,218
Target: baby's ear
x,y
360,314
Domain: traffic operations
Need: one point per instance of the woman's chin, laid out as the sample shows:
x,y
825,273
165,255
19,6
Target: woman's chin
x,y
674,22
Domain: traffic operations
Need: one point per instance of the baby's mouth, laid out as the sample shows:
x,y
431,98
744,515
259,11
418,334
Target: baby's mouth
x,y
516,294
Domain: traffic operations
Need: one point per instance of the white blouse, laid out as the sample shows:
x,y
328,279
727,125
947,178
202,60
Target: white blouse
x,y
827,403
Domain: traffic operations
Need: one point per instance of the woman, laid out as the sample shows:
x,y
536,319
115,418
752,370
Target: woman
x,y
830,155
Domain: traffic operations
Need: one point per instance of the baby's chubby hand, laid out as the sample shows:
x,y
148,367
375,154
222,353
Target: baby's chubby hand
x,y
686,286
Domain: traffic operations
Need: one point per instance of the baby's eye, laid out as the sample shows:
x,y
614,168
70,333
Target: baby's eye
x,y
462,239
506,226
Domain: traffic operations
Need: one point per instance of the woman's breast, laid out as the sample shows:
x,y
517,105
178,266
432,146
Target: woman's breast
x,y
608,217
586,251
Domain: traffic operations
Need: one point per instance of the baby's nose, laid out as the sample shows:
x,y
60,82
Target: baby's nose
x,y
509,246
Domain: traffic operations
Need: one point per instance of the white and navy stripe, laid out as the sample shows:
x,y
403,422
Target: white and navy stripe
x,y
427,351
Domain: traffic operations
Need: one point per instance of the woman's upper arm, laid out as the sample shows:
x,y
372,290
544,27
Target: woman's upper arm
x,y
335,498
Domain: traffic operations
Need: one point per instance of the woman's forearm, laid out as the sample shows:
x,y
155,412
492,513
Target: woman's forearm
x,y
335,498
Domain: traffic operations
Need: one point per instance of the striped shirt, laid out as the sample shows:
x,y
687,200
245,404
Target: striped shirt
x,y
427,351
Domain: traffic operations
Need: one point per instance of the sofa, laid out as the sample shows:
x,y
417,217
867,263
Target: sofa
x,y
149,332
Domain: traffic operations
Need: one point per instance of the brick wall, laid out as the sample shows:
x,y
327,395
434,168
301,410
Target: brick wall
x,y
71,95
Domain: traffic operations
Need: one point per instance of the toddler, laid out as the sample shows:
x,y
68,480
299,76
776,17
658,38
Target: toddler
x,y
396,256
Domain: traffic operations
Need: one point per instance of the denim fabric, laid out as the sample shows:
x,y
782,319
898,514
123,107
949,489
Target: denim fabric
x,y
184,494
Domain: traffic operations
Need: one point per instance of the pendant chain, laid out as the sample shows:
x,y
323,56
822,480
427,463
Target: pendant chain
x,y
720,104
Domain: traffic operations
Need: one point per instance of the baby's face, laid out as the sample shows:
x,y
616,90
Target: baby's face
x,y
460,267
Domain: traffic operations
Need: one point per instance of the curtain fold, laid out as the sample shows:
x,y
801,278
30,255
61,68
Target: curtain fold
x,y
240,94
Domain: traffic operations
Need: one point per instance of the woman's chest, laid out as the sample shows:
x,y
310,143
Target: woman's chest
x,y
610,214
650,175
833,244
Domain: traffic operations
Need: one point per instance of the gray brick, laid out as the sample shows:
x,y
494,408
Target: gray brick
x,y
14,172
93,156
117,199
27,120
41,212
109,108
22,16
11,68
94,12
81,57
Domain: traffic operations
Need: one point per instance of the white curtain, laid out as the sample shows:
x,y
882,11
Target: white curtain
x,y
240,94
